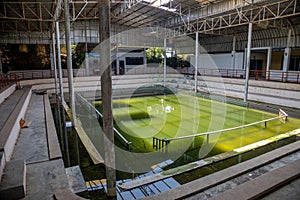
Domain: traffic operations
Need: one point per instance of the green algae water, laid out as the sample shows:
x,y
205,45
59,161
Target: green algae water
x,y
139,119
185,115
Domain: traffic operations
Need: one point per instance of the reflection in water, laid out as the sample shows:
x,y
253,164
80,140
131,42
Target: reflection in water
x,y
159,109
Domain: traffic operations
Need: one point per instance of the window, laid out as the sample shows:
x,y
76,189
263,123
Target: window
x,y
294,63
134,60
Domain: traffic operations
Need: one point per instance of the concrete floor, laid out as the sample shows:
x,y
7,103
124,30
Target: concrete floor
x,y
43,176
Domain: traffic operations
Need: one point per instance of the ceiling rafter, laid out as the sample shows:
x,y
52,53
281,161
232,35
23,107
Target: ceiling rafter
x,y
267,12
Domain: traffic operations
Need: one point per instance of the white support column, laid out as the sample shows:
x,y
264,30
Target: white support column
x,y
287,56
117,56
269,59
54,64
59,61
145,57
233,53
165,61
51,59
248,62
117,60
86,60
196,60
69,61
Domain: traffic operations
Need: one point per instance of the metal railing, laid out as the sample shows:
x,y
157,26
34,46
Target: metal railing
x,y
270,75
161,142
100,115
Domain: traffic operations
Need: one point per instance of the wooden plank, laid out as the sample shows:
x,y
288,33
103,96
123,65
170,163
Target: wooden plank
x,y
126,195
147,190
91,149
161,186
137,193
154,189
171,182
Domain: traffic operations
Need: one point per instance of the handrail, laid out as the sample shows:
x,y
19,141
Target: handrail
x,y
269,75
281,114
100,114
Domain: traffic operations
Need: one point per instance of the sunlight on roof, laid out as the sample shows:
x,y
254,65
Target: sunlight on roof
x,y
160,4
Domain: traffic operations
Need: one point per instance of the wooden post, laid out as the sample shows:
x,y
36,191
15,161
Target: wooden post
x,y
106,92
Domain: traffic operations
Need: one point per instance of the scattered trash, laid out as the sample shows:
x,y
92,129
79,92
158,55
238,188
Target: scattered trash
x,y
24,124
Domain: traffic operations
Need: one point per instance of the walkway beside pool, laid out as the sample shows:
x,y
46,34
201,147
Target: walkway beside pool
x,y
35,169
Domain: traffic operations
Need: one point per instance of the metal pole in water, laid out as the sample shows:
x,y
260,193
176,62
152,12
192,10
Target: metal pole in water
x,y
54,65
247,68
59,61
86,60
106,92
233,54
196,60
165,61
69,61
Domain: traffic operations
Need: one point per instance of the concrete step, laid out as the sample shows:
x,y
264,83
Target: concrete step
x,y
16,107
13,185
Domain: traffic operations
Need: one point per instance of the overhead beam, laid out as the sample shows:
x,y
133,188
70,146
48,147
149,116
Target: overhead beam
x,y
241,16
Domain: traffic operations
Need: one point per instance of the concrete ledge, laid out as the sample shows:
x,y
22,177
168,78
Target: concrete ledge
x,y
219,177
10,131
7,92
13,185
263,184
53,143
66,194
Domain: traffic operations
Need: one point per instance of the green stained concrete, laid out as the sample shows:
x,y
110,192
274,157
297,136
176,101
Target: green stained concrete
x,y
168,116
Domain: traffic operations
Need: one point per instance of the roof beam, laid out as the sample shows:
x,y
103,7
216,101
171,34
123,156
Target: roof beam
x,y
241,16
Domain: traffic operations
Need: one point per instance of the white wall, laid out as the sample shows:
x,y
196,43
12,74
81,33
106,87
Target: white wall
x,y
218,61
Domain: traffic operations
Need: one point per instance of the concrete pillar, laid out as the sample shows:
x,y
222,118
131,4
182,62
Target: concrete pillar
x,y
69,61
269,59
54,65
233,54
165,61
51,58
86,61
106,92
196,60
117,59
145,57
248,62
59,60
287,56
